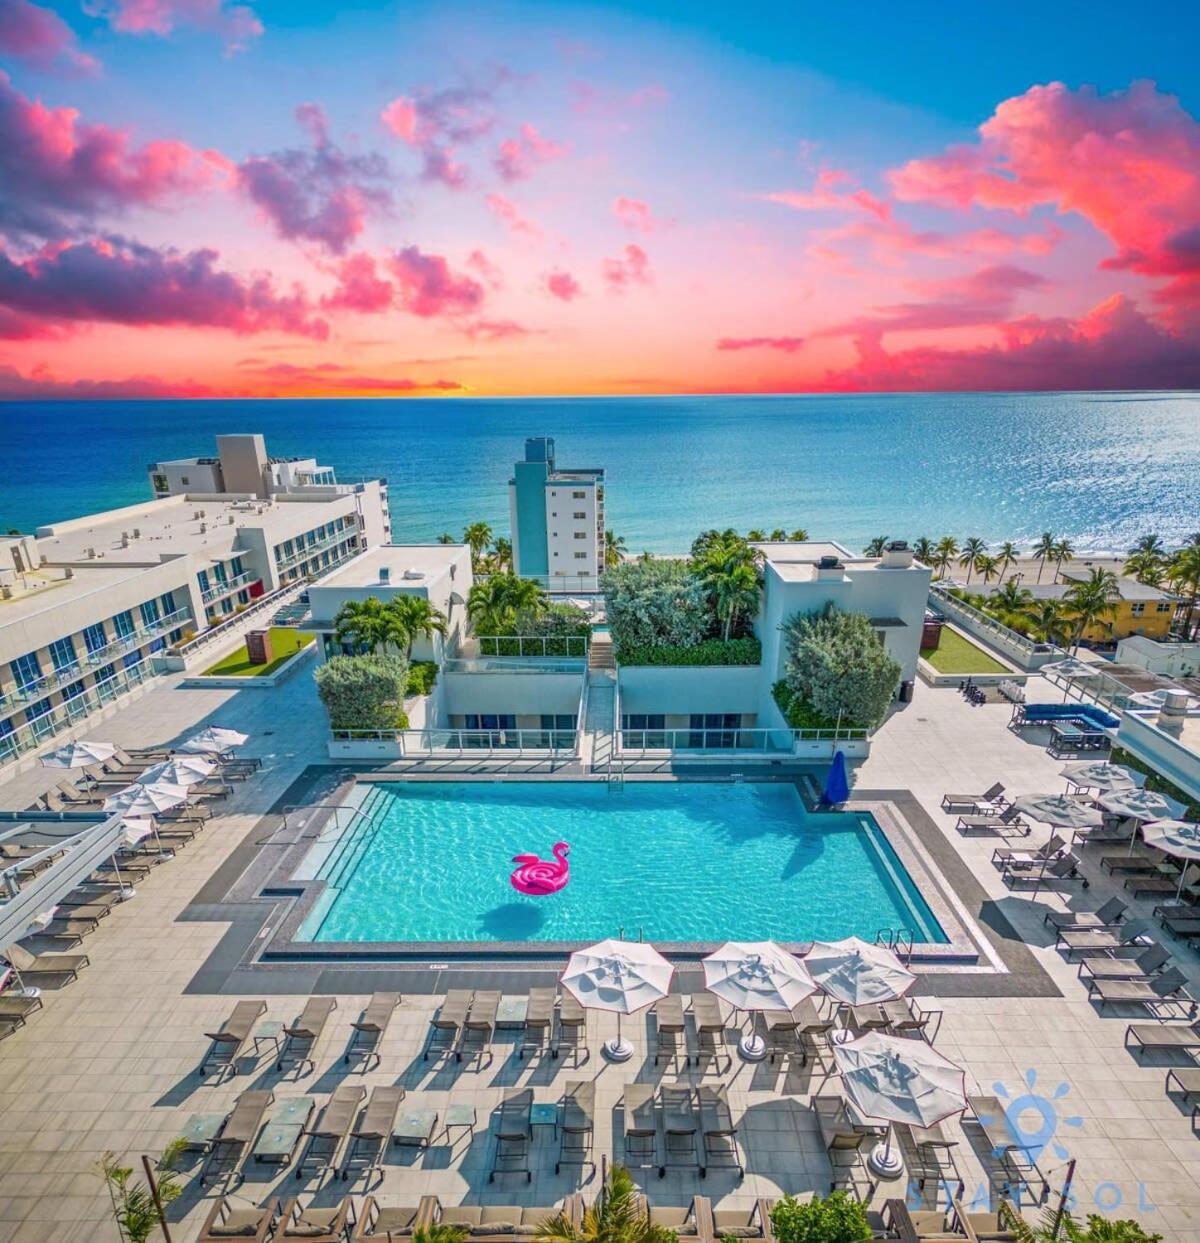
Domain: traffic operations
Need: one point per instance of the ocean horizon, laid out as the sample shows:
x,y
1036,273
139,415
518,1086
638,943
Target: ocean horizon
x,y
1099,468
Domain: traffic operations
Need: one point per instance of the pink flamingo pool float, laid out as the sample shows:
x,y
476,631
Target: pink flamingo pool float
x,y
539,877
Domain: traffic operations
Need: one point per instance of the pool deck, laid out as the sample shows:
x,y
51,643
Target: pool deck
x,y
110,1061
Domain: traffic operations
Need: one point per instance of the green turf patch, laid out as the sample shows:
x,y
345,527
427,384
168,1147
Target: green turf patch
x,y
955,654
285,643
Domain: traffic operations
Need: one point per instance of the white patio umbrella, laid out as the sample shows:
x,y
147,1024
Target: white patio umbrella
x,y
213,740
1060,810
1101,775
621,976
184,770
856,972
756,976
1155,699
136,800
1071,668
890,1079
1141,805
1178,838
79,754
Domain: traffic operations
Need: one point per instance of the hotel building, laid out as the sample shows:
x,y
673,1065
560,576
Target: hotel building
x,y
557,519
88,607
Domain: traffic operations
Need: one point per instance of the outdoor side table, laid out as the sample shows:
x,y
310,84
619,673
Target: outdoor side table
x,y
414,1127
270,1031
544,1115
285,1126
511,1012
200,1130
460,1116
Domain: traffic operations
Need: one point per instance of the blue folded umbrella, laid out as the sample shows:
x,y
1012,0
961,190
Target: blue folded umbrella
x,y
837,784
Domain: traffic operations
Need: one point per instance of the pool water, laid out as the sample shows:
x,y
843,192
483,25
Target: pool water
x,y
669,861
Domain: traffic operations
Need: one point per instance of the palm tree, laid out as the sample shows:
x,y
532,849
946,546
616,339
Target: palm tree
x,y
478,535
736,589
502,553
1042,550
1090,601
1149,544
615,1217
875,547
446,538
370,625
614,549
756,533
1147,567
493,603
418,619
799,535
988,567
1184,571
778,535
645,555
1011,597
1063,551
972,550
1047,620
1008,553
946,551
924,550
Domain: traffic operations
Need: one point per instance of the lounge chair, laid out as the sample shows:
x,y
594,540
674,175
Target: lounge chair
x,y
918,1225
74,797
66,965
479,1028
333,1124
236,1137
811,1025
1135,864
1185,928
1107,916
1004,855
300,1038
710,1031
988,1114
1064,868
539,1023
640,1126
385,1223
1009,818
843,1140
977,1225
513,1135
1164,886
577,1125
79,899
1169,988
571,1033
1152,960
738,1223
10,855
66,930
370,1138
316,1225
226,1222
1102,940
228,1041
16,1009
689,1223
928,1153
670,1039
445,1024
990,802
99,776
370,1028
718,1134
1163,1037
500,1223
681,1148
783,1035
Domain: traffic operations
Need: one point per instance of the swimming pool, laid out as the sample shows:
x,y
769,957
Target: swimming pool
x,y
668,861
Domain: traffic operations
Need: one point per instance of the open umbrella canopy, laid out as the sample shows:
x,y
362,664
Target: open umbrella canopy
x,y
1180,838
757,975
1101,775
857,972
1071,668
1155,699
1140,804
136,828
79,754
135,800
624,976
891,1079
183,770
214,740
1060,810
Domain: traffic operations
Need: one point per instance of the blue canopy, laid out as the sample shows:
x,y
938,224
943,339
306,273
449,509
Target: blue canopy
x,y
837,784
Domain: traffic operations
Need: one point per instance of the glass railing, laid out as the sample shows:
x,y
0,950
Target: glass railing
x,y
230,585
517,665
762,741
533,645
441,742
302,554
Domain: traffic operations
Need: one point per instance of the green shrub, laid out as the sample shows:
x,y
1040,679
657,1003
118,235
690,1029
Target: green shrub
x,y
800,714
422,674
364,692
656,604
707,652
835,1219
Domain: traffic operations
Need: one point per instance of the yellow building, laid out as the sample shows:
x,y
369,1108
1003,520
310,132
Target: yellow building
x,y
1140,609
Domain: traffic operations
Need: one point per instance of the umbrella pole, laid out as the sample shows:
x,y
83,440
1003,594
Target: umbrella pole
x,y
883,1161
126,890
618,1050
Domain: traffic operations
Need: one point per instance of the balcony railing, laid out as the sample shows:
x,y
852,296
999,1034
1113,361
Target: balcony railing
x,y
639,742
521,645
228,586
531,665
445,743
308,550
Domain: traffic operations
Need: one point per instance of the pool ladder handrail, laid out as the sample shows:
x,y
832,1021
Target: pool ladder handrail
x,y
898,940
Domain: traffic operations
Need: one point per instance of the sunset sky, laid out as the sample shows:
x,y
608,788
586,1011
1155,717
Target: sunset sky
x,y
200,197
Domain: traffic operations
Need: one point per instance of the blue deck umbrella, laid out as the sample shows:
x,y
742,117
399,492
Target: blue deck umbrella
x,y
837,784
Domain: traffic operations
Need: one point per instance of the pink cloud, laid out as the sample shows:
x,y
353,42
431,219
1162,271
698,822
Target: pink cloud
x,y
121,282
334,377
322,195
893,241
826,195
40,384
480,264
506,210
785,345
1126,162
517,157
600,104
237,25
635,214
426,285
39,37
59,173
563,286
632,268
360,288
495,330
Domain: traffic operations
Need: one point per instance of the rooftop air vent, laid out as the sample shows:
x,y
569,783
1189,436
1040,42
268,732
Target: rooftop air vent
x,y
829,563
385,574
897,555
413,573
830,568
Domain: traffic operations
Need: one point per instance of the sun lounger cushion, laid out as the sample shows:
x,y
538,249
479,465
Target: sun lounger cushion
x,y
240,1023
337,1116
379,1012
313,1017
381,1111
239,1222
242,1125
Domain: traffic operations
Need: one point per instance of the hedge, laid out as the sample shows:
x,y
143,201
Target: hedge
x,y
800,714
422,674
706,652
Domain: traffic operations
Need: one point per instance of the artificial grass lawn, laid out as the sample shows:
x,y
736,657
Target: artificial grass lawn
x,y
285,643
954,654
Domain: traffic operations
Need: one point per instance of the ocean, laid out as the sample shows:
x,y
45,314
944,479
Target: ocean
x,y
1099,468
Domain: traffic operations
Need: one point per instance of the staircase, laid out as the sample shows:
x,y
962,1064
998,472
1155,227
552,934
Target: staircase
x,y
600,653
596,745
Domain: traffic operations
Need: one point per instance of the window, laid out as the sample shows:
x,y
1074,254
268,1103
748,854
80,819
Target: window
x,y
560,720
183,479
38,709
645,729
168,604
581,556
26,670
579,513
123,624
1163,606
1138,608
158,644
578,496
62,653
714,729
132,660
149,612
581,534
202,579
73,691
94,638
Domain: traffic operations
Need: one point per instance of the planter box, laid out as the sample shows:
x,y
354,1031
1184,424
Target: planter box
x,y
211,682
382,749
